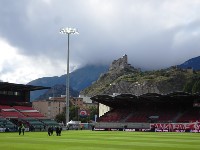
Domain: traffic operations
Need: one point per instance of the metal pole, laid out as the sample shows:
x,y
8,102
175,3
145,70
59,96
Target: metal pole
x,y
68,31
67,84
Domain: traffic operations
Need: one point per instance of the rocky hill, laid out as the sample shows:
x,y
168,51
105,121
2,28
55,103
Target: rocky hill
x,y
123,78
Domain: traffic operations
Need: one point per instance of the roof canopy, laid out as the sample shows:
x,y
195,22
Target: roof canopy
x,y
5,86
125,100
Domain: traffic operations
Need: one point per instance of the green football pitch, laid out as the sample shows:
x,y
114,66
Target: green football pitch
x,y
100,140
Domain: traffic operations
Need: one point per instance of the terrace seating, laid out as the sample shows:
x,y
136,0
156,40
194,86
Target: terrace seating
x,y
29,111
19,112
158,116
21,108
4,123
114,116
49,122
146,113
33,122
192,115
11,114
33,114
138,117
167,116
2,107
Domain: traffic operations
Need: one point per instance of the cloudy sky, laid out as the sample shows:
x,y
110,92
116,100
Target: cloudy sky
x,y
153,33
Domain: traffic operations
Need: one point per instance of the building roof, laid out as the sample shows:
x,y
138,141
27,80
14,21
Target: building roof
x,y
5,86
126,100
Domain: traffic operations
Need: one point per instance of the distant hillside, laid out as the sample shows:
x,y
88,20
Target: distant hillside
x,y
57,91
79,79
193,63
124,79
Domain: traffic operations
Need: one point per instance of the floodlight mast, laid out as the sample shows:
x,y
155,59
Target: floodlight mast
x,y
68,31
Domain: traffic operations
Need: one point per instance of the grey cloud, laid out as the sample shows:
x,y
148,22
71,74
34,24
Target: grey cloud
x,y
33,26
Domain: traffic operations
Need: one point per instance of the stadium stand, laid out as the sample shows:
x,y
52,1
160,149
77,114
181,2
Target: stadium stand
x,y
151,108
15,107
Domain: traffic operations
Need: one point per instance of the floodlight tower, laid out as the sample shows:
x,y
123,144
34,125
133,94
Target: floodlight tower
x,y
68,31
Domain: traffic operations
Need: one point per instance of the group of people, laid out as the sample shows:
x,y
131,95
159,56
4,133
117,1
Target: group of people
x,y
57,129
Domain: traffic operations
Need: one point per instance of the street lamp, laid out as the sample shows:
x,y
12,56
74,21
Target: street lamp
x,y
68,31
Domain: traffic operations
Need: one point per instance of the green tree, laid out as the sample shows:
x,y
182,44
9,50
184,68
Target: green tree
x,y
61,117
196,87
73,113
93,112
188,86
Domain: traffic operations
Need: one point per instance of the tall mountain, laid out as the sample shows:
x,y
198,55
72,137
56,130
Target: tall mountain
x,y
79,79
122,78
193,63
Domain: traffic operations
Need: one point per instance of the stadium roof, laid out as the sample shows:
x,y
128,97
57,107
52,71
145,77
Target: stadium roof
x,y
19,87
125,100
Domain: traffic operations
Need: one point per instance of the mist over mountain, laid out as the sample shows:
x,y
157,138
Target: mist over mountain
x,y
79,79
56,91
82,79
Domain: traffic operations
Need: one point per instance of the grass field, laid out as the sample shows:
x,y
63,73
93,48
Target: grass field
x,y
100,140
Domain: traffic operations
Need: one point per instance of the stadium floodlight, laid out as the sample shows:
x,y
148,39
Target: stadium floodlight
x,y
68,31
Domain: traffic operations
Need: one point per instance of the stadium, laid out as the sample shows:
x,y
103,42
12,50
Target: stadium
x,y
174,112
147,114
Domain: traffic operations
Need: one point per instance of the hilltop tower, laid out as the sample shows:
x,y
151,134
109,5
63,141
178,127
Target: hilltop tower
x,y
121,63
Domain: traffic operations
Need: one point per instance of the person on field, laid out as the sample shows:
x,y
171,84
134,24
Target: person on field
x,y
60,130
49,131
57,131
20,129
23,128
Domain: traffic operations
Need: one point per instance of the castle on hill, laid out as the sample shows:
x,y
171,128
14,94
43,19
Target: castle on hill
x,y
122,63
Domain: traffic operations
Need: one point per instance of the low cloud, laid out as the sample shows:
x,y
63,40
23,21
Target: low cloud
x,y
154,34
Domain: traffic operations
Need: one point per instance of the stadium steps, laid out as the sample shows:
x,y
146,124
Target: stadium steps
x,y
129,116
180,114
5,123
